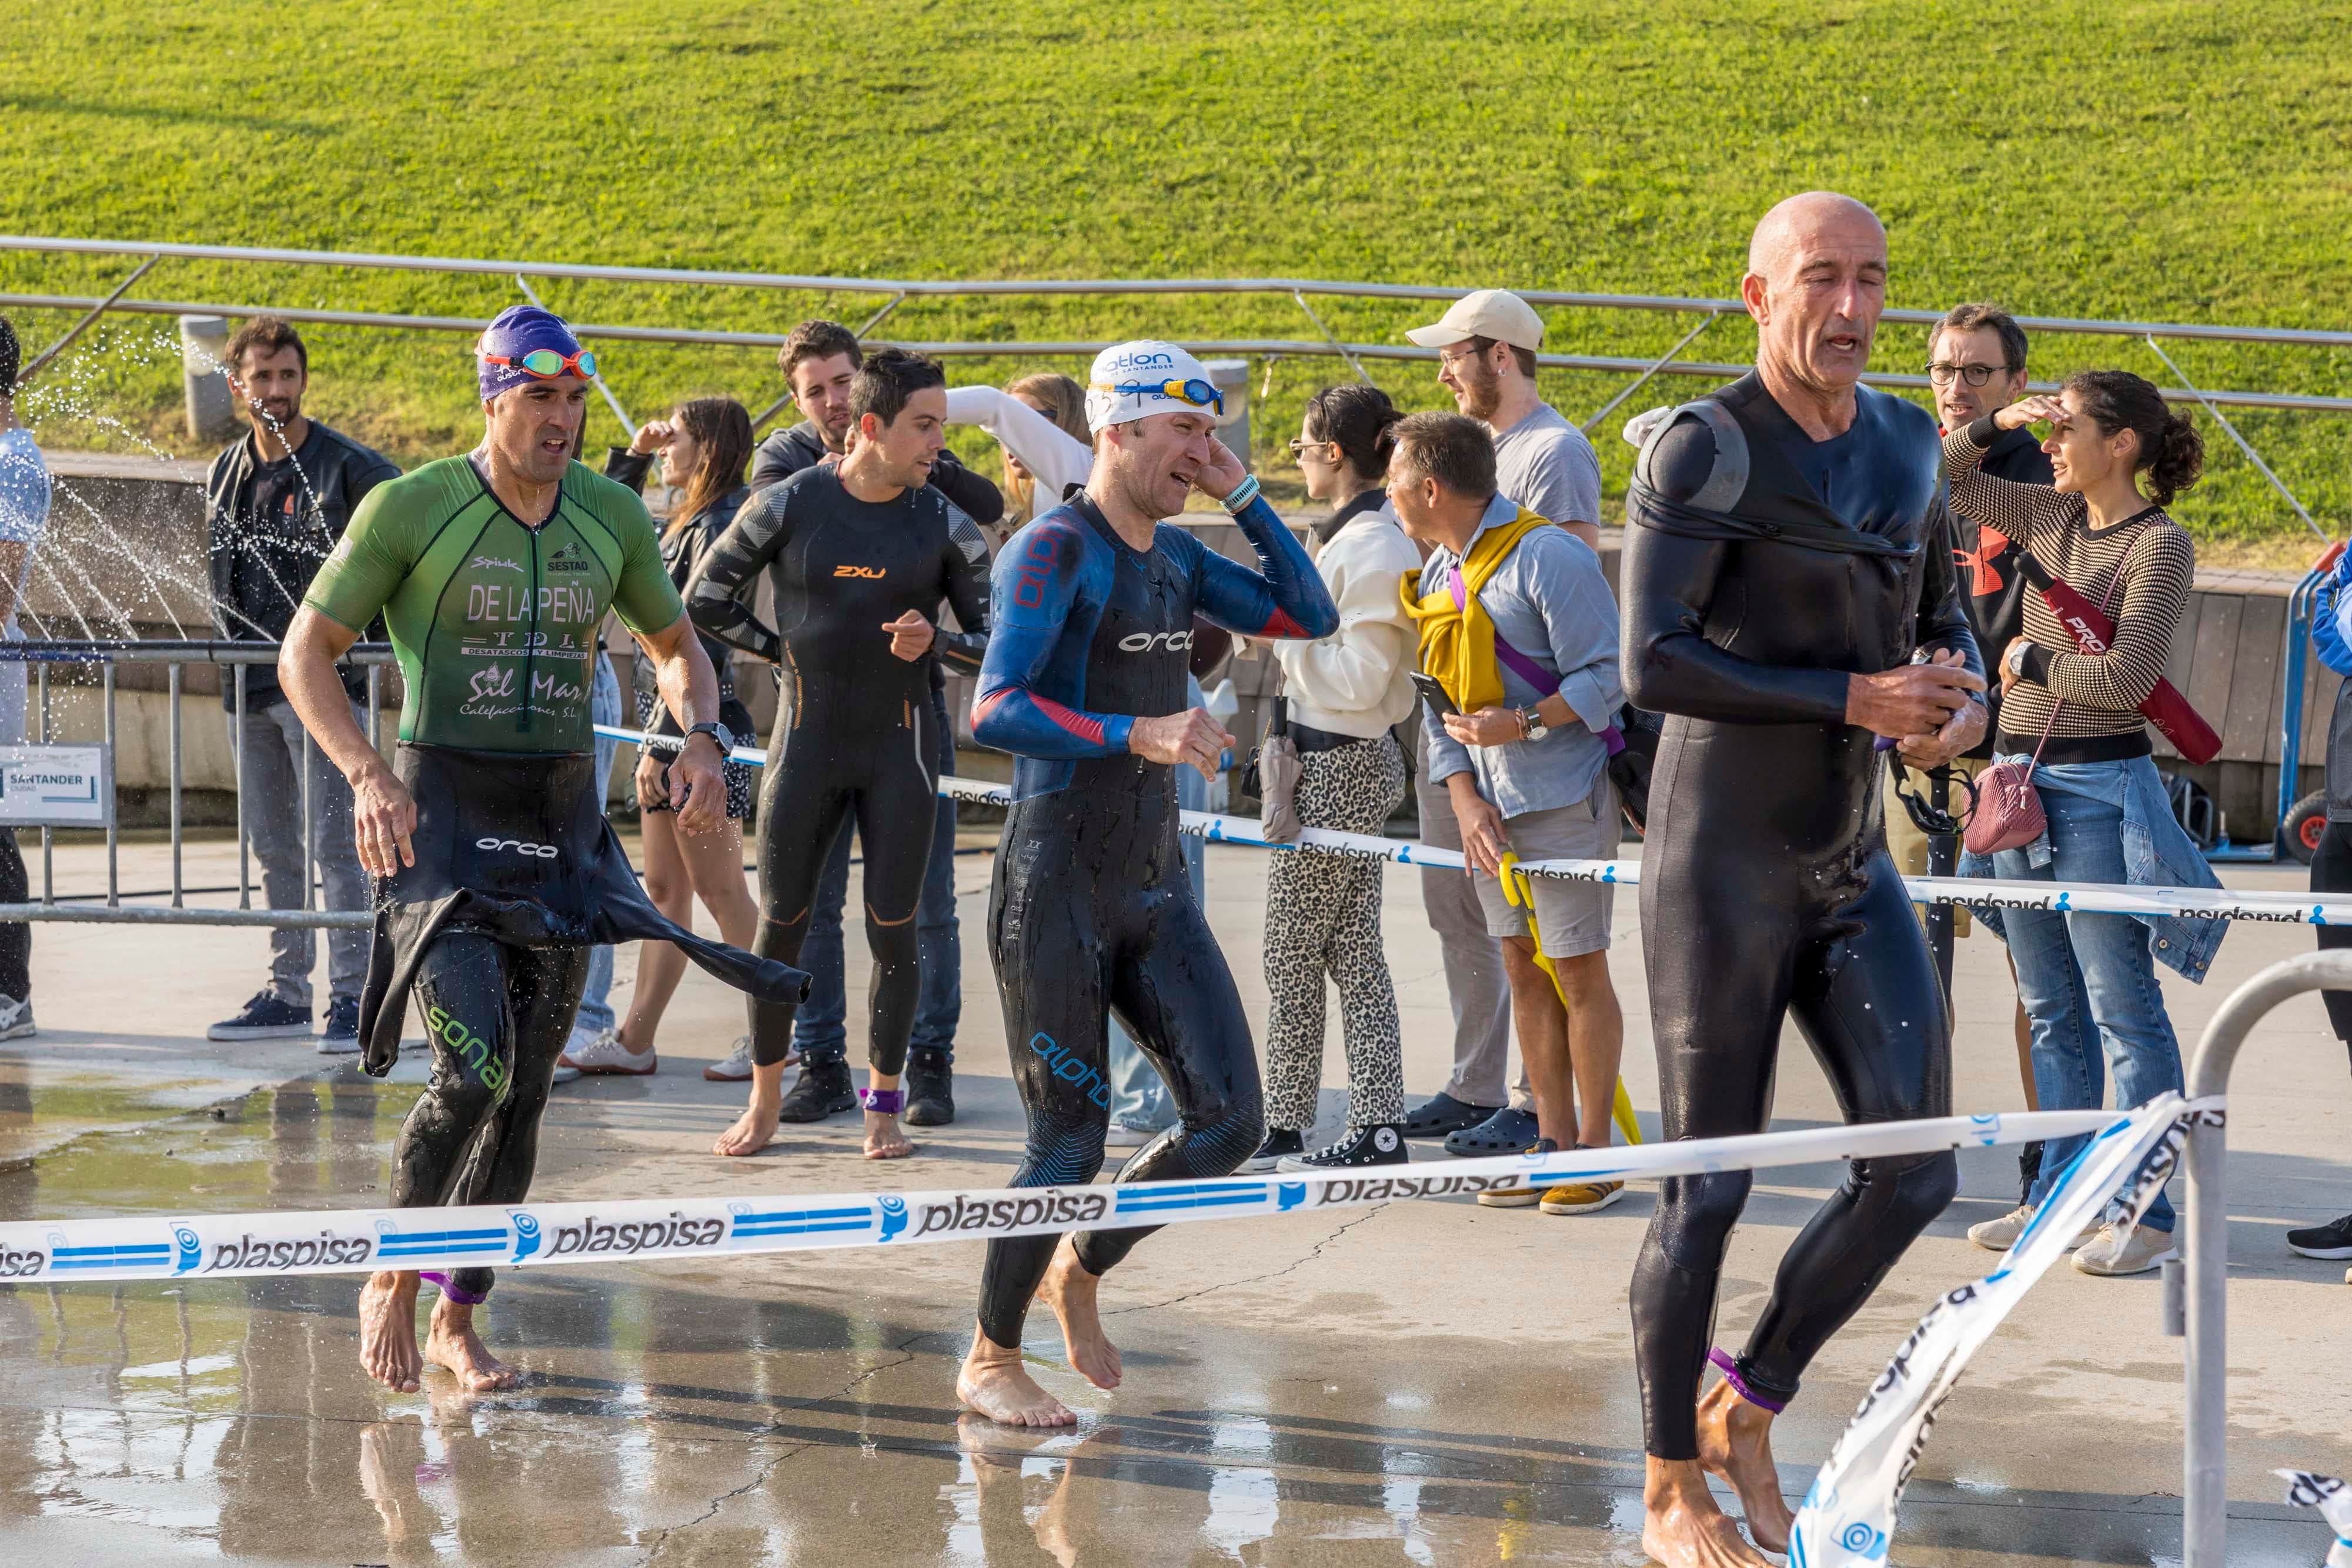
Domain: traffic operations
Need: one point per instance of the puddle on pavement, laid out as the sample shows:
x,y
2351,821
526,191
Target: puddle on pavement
x,y
704,1417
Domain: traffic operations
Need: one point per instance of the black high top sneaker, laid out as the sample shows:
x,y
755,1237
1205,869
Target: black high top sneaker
x,y
930,1087
823,1090
1380,1144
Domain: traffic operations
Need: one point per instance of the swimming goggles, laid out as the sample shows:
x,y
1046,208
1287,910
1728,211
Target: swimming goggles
x,y
547,364
1926,815
1200,394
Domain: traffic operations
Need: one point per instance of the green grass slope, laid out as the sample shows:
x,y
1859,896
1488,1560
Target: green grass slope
x,y
2152,159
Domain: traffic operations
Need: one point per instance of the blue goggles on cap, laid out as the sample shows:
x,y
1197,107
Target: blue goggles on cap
x,y
1200,394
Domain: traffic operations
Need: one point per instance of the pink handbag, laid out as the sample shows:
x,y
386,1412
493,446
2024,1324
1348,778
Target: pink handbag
x,y
2009,807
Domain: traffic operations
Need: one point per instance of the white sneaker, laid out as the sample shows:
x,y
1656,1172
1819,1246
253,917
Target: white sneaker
x,y
736,1067
603,1053
16,1018
2111,1254
2001,1235
1122,1136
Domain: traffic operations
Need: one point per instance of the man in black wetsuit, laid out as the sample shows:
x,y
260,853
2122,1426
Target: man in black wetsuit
x,y
860,554
1091,608
1788,554
821,361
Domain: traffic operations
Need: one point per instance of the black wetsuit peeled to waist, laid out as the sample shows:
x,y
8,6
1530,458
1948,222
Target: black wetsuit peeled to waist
x,y
855,732
1762,569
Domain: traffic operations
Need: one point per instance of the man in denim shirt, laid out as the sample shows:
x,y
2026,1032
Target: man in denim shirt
x,y
1526,776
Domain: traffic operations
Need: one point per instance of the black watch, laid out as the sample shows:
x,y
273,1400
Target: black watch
x,y
717,732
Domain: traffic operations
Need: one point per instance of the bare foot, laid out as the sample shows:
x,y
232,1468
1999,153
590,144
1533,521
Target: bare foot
x,y
389,1451
1069,1290
388,1331
994,1383
1735,1441
1681,1525
451,1342
753,1130
884,1140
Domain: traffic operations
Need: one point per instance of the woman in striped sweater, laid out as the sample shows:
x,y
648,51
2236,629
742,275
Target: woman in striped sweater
x,y
2088,981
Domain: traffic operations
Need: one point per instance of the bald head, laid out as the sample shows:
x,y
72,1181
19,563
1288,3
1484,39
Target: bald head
x,y
1816,220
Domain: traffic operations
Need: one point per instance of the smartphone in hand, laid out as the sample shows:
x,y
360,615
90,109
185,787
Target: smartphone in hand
x,y
1434,694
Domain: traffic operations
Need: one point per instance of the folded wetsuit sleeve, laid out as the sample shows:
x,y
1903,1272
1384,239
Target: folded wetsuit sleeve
x,y
714,594
1285,596
963,574
1036,588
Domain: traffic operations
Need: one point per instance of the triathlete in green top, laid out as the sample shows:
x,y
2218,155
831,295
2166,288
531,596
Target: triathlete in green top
x,y
493,572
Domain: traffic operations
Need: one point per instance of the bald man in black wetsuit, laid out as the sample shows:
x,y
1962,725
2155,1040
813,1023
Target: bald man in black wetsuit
x,y
1789,553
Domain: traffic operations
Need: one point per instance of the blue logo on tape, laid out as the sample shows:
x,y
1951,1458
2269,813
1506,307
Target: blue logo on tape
x,y
894,1215
526,1227
1289,1195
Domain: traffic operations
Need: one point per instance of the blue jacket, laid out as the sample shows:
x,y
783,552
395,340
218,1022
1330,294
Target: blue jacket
x,y
2330,638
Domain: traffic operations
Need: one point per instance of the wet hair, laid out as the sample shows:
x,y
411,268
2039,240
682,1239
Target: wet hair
x,y
2171,453
1066,405
1981,317
885,383
721,427
818,338
1525,358
12,357
1452,448
271,335
1358,419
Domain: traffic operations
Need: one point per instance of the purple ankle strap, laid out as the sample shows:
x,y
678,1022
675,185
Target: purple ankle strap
x,y
1730,1370
883,1102
462,1297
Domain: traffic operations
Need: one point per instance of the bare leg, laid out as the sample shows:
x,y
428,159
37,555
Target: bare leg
x,y
757,1125
884,1138
714,865
660,965
1543,1041
388,1330
1596,1042
451,1342
1069,1290
1681,1525
994,1383
1735,1441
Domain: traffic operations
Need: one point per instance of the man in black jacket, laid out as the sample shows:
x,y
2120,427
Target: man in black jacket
x,y
275,503
819,359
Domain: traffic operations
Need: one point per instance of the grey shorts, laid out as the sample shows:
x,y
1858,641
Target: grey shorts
x,y
1571,918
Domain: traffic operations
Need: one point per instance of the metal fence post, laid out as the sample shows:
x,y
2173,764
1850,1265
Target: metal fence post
x,y
178,883
236,777
113,861
306,816
48,858
2205,1417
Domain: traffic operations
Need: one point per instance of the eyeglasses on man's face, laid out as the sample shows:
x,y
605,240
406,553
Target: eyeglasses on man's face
x,y
1942,371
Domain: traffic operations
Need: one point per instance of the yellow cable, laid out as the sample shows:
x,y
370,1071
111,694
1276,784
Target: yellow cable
x,y
1520,896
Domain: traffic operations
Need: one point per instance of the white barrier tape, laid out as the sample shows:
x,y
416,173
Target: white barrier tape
x,y
1848,1516
2333,1499
2086,898
529,1235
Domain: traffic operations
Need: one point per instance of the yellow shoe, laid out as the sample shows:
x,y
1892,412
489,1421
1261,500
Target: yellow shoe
x,y
1518,1196
1583,1197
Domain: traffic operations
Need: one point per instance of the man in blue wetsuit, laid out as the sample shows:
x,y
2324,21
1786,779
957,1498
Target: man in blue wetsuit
x,y
1091,608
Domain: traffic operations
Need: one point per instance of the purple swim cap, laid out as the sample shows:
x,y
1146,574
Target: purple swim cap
x,y
518,330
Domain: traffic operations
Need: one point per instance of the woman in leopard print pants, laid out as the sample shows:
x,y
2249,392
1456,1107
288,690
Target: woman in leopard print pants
x,y
1345,694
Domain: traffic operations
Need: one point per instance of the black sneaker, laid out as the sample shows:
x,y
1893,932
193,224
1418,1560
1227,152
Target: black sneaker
x,y
266,1018
2333,1240
822,1091
1441,1115
930,1087
343,1036
1278,1144
1509,1131
1380,1146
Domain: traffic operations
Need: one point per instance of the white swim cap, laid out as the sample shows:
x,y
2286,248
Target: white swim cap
x,y
1131,380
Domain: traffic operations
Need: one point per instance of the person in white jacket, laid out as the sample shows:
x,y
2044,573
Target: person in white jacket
x,y
1345,694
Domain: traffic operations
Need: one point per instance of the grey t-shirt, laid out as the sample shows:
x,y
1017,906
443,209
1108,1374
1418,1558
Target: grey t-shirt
x,y
1546,466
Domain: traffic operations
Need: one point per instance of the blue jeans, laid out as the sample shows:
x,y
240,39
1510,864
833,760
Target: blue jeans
x,y
819,1029
1139,1098
604,707
2088,981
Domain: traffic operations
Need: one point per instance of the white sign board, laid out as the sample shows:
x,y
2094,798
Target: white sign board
x,y
56,787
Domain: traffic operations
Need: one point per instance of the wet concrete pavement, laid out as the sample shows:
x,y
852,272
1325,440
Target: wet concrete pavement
x,y
1428,1383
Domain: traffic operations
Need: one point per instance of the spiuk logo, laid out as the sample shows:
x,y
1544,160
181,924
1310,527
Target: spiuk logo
x,y
495,563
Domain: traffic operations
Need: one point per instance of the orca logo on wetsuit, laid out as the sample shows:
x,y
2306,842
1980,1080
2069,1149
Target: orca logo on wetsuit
x,y
1144,642
538,851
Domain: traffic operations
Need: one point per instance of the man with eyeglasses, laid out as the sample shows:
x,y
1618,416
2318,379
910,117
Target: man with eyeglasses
x,y
1486,343
1976,364
1091,611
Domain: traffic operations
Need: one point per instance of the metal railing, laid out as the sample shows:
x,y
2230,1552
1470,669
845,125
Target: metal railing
x,y
1298,289
2204,1316
233,658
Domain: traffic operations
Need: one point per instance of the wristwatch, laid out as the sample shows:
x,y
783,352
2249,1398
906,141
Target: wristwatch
x,y
1532,728
2016,659
717,732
